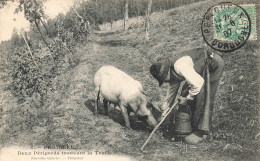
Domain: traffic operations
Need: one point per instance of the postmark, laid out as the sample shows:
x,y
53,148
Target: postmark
x,y
226,27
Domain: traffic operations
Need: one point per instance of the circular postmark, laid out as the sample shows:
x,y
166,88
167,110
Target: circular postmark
x,y
226,27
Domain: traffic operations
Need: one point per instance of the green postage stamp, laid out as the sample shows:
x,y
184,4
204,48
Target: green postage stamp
x,y
227,27
231,23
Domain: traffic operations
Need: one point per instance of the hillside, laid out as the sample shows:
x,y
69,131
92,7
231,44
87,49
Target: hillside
x,y
70,121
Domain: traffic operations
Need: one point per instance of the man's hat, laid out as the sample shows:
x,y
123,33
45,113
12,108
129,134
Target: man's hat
x,y
159,69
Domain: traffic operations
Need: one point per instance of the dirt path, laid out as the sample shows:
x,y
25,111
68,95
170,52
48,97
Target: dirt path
x,y
79,127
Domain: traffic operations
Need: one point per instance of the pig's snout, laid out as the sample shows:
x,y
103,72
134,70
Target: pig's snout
x,y
151,121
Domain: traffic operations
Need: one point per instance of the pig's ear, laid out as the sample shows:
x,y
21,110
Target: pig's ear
x,y
152,103
149,104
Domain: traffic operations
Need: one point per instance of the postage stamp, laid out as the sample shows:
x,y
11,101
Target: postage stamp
x,y
223,29
227,26
251,10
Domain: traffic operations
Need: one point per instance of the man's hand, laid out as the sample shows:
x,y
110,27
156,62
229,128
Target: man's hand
x,y
183,100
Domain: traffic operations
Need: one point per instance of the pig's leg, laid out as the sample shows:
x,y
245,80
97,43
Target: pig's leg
x,y
125,115
105,102
96,102
128,110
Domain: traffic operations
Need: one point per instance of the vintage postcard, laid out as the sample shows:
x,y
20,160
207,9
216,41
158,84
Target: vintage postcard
x,y
129,80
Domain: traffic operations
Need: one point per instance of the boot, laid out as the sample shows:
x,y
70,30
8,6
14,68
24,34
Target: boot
x,y
193,139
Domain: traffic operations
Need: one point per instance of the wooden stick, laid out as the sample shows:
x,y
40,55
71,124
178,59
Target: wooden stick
x,y
77,13
168,112
22,33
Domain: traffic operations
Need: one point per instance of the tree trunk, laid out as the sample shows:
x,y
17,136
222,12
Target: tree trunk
x,y
48,33
138,9
149,8
126,16
41,33
137,12
160,5
37,25
147,20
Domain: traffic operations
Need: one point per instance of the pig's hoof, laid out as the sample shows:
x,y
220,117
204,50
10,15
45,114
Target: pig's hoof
x,y
129,128
109,116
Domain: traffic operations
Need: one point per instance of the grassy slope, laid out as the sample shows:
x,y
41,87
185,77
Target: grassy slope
x,y
72,121
236,111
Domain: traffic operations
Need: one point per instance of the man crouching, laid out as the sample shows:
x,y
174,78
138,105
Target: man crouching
x,y
190,66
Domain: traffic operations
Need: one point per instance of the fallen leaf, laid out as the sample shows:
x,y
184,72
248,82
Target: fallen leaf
x,y
225,148
257,135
